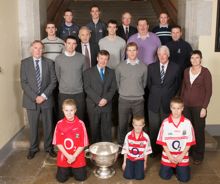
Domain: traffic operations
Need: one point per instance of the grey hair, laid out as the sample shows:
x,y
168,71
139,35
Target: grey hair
x,y
165,49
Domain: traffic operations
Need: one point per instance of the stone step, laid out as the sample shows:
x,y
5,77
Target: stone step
x,y
21,142
113,10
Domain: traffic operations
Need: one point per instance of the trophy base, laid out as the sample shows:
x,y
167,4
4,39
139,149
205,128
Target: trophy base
x,y
104,172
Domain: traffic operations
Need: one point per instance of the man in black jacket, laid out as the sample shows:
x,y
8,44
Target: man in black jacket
x,y
163,82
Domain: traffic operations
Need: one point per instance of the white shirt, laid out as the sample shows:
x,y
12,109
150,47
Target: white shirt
x,y
165,67
69,55
40,66
84,49
99,69
192,77
132,62
124,27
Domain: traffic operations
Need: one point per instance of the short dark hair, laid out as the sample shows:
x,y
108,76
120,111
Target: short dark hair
x,y
198,52
176,99
94,6
67,10
72,38
104,53
50,22
132,44
142,19
176,27
111,21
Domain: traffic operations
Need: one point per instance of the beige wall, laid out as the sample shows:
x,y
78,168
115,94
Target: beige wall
x,y
10,106
211,59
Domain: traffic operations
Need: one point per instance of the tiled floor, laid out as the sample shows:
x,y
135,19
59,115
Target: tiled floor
x,y
41,170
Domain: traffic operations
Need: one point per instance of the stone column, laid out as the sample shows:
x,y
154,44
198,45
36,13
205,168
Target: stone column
x,y
197,20
32,14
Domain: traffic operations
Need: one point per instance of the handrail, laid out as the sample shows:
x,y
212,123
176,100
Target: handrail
x,y
165,6
55,10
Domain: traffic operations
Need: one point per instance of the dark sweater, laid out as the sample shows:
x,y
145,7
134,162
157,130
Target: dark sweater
x,y
198,93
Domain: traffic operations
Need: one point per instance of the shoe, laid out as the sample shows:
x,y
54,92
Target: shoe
x,y
31,154
197,162
52,153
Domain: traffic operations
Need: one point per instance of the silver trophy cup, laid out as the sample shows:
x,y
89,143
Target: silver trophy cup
x,y
104,155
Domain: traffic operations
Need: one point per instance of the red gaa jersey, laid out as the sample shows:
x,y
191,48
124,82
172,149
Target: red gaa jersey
x,y
70,134
136,149
176,138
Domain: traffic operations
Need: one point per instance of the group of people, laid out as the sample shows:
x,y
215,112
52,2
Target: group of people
x,y
101,73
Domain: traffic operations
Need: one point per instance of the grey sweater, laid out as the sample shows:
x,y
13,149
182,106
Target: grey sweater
x,y
116,48
131,80
69,71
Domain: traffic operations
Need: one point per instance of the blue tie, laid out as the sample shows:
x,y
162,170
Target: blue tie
x,y
37,71
162,74
102,73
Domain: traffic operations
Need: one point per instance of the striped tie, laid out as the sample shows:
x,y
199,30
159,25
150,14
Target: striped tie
x,y
162,74
37,71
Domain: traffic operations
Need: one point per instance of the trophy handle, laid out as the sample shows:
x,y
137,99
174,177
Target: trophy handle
x,y
88,154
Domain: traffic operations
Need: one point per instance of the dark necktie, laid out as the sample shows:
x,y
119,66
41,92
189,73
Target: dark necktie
x,y
102,73
126,33
162,74
37,71
87,56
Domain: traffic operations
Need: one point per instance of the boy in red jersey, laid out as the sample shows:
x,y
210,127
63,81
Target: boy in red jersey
x,y
176,135
70,137
136,148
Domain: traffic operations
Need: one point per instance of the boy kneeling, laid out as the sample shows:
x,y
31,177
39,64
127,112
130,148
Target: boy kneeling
x,y
70,136
176,135
136,148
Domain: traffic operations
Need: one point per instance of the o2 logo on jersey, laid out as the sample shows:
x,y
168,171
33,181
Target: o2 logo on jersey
x,y
135,151
68,143
176,145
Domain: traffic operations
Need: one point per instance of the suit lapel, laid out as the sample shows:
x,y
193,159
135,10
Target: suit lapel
x,y
97,74
43,67
32,72
168,70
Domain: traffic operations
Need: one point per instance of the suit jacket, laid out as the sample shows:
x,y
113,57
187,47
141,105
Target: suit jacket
x,y
120,32
29,82
94,49
161,94
96,89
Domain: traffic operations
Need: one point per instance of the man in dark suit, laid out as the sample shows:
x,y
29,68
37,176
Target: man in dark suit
x,y
87,48
163,82
38,81
126,30
100,86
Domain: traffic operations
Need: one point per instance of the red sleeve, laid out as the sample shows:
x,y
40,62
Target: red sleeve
x,y
84,138
57,138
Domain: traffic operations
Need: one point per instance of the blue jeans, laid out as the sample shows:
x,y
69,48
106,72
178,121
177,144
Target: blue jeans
x,y
182,172
134,169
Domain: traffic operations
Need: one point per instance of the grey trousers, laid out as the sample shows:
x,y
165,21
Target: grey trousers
x,y
33,118
127,109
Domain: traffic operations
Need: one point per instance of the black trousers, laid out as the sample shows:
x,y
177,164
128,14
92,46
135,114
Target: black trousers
x,y
127,109
80,103
33,118
193,114
155,120
100,124
63,173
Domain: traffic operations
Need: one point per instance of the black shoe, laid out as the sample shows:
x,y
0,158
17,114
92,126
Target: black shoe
x,y
197,162
31,154
52,153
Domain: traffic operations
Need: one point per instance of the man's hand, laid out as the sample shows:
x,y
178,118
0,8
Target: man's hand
x,y
40,99
102,102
